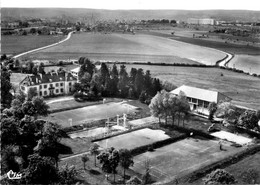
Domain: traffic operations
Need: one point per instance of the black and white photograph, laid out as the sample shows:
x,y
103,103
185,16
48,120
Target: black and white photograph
x,y
128,92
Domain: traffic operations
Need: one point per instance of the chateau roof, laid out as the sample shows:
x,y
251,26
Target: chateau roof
x,y
38,79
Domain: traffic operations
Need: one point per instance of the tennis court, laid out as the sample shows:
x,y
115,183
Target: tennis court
x,y
182,157
134,139
91,113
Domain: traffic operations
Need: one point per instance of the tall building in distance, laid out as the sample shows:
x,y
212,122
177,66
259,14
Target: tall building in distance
x,y
206,21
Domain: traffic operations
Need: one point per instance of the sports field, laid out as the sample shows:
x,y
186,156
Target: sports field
x,y
90,113
182,157
126,47
242,88
12,44
134,139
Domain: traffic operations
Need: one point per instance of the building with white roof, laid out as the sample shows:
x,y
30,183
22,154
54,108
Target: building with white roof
x,y
199,99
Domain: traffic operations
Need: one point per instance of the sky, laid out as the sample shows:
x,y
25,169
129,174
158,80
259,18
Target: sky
x,y
137,4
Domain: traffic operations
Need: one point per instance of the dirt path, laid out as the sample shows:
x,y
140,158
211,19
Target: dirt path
x,y
44,47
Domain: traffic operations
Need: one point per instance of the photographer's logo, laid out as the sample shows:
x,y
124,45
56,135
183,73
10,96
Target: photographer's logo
x,y
14,175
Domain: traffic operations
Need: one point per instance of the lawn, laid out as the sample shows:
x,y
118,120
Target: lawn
x,y
126,47
242,88
13,44
134,139
68,102
90,113
182,157
238,169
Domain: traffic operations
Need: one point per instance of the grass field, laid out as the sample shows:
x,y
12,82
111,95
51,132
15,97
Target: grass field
x,y
251,162
134,139
247,63
128,47
90,113
243,89
11,44
230,46
182,157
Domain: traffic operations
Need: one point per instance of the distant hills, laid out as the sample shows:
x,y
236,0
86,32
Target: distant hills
x,y
98,14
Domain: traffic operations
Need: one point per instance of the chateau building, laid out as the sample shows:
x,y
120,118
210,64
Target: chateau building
x,y
50,84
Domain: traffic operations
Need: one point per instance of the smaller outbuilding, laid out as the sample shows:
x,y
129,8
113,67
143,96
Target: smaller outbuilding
x,y
199,99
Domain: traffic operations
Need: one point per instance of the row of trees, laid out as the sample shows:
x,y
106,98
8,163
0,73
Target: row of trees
x,y
31,146
165,105
113,82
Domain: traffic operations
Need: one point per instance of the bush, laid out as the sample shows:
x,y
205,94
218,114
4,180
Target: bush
x,y
219,176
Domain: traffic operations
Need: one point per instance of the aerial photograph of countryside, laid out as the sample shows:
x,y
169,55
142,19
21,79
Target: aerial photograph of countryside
x,y
124,92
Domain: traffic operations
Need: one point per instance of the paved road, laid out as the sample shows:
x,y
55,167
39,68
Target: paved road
x,y
38,49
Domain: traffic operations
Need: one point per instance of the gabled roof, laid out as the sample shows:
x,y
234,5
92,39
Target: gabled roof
x,y
198,93
38,79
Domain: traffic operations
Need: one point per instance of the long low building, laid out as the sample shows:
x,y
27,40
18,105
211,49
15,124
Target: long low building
x,y
51,84
199,99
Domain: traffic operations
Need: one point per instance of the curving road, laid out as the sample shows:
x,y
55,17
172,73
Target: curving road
x,y
44,47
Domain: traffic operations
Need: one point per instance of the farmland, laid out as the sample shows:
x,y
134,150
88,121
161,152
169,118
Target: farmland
x,y
247,63
11,44
126,47
242,88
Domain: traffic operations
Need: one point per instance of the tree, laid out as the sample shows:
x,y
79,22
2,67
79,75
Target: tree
x,y
6,86
148,82
219,176
10,159
84,159
248,119
41,68
35,70
212,109
94,151
40,106
114,160
40,169
126,159
109,160
104,74
29,66
226,109
123,82
49,141
168,86
156,107
32,92
139,82
68,175
28,108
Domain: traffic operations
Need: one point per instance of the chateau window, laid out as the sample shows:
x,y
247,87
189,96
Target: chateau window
x,y
61,84
45,86
61,90
45,92
57,90
57,84
69,83
40,86
40,93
